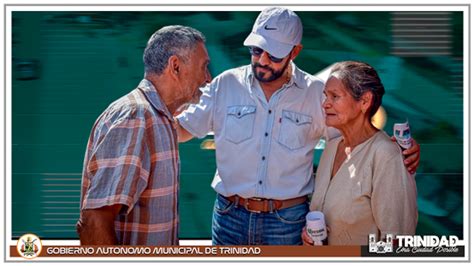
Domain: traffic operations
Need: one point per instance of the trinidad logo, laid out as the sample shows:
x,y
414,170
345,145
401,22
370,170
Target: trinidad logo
x,y
380,246
29,246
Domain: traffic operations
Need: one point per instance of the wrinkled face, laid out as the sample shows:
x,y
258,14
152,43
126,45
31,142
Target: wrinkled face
x,y
264,67
340,107
196,74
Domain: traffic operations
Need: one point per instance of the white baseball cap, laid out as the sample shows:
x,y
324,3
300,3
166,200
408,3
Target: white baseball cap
x,y
277,30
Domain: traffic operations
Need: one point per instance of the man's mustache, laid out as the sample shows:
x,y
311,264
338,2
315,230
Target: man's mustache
x,y
264,67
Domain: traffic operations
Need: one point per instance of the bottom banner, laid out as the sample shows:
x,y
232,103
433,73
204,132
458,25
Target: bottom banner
x,y
190,251
230,251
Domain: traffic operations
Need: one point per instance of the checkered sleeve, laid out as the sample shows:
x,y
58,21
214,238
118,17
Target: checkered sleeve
x,y
119,165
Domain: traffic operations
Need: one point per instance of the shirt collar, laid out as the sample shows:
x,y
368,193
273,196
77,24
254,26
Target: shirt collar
x,y
296,77
154,98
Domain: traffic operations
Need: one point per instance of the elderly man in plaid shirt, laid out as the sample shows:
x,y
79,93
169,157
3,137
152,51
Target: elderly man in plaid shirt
x,y
131,167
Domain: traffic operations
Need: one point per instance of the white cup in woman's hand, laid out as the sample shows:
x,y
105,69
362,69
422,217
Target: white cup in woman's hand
x,y
316,227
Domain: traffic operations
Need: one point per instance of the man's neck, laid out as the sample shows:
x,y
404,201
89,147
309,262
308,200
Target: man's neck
x,y
168,96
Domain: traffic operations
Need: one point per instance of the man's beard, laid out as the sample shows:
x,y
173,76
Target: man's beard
x,y
274,74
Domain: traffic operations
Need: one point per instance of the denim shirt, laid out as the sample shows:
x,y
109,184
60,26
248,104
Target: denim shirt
x,y
263,148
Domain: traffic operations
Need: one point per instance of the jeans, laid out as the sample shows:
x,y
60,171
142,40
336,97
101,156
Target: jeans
x,y
234,225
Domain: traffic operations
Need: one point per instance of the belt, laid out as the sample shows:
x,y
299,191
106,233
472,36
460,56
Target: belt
x,y
259,205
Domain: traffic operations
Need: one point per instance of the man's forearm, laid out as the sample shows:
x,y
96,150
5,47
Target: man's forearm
x,y
183,134
96,226
93,235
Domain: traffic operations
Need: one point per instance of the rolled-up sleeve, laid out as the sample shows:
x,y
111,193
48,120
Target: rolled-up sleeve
x,y
394,197
197,119
118,167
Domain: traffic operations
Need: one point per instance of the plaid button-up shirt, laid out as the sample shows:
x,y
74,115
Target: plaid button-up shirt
x,y
132,159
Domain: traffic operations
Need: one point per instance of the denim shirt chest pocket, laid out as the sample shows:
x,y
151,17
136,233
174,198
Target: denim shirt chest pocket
x,y
294,129
239,123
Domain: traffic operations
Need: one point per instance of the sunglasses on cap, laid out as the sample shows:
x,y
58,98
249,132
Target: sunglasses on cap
x,y
256,51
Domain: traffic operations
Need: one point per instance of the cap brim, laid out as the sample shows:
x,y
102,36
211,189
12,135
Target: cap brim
x,y
276,49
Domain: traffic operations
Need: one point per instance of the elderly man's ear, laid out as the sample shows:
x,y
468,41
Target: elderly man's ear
x,y
173,65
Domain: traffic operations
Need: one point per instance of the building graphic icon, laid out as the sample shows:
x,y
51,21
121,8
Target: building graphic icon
x,y
380,246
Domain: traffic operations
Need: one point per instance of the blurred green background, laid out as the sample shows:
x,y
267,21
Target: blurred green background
x,y
69,66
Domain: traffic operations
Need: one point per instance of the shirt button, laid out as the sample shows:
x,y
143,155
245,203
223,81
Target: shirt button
x,y
269,111
266,134
263,158
260,182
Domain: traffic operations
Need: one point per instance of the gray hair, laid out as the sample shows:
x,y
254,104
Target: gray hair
x,y
168,41
358,78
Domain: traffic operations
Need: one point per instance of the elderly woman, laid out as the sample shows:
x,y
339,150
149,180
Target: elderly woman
x,y
362,185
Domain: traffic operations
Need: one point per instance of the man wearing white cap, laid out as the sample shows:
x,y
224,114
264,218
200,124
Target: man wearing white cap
x,y
266,118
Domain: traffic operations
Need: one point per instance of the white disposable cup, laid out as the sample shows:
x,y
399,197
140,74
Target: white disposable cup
x,y
316,227
401,131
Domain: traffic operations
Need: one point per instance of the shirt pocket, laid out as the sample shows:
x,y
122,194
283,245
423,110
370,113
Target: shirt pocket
x,y
294,129
239,123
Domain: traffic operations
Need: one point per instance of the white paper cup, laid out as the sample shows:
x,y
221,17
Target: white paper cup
x,y
316,227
